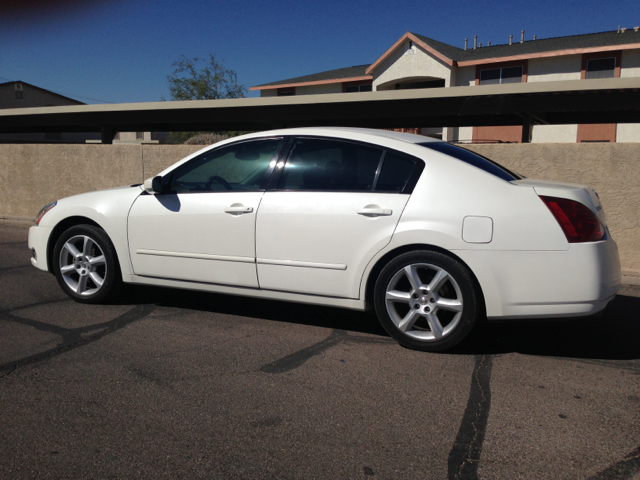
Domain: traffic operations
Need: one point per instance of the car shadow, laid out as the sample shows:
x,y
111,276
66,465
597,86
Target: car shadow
x,y
274,310
613,335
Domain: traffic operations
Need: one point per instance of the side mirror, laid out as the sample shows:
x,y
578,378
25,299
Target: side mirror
x,y
153,185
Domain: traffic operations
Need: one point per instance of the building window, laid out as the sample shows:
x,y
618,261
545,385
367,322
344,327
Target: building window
x,y
286,92
139,135
357,88
496,76
601,68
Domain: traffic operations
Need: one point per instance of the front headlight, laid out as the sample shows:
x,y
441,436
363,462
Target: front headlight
x,y
44,210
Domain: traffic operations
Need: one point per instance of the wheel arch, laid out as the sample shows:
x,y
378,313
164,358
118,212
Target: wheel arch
x,y
374,273
59,229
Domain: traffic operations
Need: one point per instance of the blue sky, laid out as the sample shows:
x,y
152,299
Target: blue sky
x,y
121,51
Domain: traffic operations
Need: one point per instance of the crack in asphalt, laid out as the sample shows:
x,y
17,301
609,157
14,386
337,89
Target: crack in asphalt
x,y
300,357
464,457
297,359
622,470
17,267
71,338
628,365
31,305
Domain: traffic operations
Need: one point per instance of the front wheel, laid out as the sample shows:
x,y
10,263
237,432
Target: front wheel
x,y
427,300
86,264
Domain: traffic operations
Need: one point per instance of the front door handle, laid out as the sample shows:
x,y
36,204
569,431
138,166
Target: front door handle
x,y
374,211
238,209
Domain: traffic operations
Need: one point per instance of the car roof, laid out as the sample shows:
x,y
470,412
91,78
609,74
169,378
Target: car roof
x,y
402,136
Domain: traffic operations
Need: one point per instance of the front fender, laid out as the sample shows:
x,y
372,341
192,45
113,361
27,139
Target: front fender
x,y
109,209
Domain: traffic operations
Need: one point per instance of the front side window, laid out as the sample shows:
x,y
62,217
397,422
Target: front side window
x,y
601,68
496,76
318,164
237,167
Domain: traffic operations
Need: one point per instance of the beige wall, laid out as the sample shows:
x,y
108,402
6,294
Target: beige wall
x,y
465,76
550,69
630,63
554,134
628,132
34,175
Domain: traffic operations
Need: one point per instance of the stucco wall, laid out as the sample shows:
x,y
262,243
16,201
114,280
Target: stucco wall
x,y
554,134
466,76
630,65
415,63
628,132
34,175
552,69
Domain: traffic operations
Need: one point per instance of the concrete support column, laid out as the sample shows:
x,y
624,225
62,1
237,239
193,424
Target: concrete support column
x,y
527,125
107,134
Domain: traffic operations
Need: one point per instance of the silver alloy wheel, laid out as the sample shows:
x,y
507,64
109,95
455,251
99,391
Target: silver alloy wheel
x,y
424,301
83,265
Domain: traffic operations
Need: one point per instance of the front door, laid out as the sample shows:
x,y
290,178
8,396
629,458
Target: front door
x,y
203,228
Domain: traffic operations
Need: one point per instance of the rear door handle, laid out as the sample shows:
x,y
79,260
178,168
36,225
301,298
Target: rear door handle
x,y
371,211
238,209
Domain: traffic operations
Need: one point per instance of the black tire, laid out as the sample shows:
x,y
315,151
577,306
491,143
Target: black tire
x,y
455,302
80,275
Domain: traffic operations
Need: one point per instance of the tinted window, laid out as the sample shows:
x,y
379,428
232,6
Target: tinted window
x,y
512,75
395,173
494,76
316,164
474,159
238,167
601,68
490,77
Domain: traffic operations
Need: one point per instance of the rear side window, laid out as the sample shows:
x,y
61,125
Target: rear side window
x,y
396,172
318,164
474,159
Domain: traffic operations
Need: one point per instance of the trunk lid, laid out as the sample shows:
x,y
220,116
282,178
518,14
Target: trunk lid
x,y
571,191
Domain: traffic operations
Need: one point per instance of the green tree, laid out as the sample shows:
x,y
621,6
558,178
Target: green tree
x,y
200,79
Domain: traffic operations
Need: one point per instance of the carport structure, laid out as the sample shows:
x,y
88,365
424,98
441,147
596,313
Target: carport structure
x,y
615,100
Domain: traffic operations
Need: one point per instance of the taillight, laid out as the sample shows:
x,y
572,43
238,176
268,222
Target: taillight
x,y
578,223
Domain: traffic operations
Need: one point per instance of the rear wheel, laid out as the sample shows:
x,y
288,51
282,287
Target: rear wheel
x,y
427,300
86,264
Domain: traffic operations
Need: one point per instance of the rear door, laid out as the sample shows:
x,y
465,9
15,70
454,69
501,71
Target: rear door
x,y
335,205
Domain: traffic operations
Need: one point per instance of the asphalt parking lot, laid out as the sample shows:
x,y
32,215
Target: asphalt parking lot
x,y
175,384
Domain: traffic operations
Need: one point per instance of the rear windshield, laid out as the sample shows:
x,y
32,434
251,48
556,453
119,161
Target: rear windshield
x,y
474,159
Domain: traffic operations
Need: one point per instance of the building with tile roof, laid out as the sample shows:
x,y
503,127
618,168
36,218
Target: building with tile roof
x,y
415,61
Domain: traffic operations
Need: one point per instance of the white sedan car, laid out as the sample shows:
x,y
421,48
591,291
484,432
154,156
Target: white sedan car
x,y
431,235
